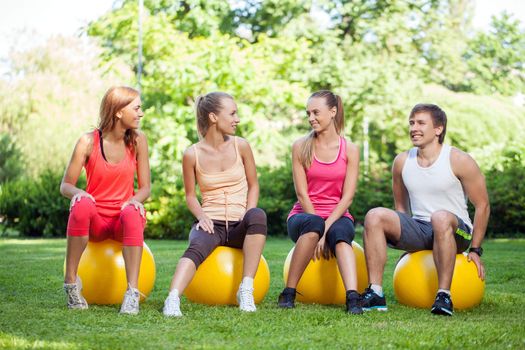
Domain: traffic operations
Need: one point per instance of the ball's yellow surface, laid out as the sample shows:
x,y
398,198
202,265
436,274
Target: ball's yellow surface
x,y
416,282
321,282
218,278
103,272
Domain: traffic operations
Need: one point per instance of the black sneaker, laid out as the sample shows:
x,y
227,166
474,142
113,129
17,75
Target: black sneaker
x,y
371,301
287,298
353,302
442,305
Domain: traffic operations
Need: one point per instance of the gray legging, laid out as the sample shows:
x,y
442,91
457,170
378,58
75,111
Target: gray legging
x,y
202,243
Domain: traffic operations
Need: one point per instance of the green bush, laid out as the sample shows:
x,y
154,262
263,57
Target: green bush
x,y
507,199
372,191
277,196
167,213
35,207
11,164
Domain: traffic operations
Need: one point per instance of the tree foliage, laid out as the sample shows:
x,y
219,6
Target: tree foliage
x,y
11,162
381,56
496,59
51,96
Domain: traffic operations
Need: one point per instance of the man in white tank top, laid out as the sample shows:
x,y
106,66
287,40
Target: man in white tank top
x,y
431,183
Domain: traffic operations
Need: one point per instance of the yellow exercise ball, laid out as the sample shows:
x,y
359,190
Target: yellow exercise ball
x,y
103,272
218,278
321,282
416,282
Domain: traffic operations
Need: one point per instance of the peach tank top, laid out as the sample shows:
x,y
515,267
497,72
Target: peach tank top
x,y
224,193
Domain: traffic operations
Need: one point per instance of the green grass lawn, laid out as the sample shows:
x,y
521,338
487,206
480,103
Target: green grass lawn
x,y
33,313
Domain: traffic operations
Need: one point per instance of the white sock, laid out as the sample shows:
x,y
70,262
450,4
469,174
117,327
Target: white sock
x,y
174,293
447,291
247,282
377,289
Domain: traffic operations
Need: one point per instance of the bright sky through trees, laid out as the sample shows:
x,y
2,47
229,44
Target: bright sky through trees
x,y
68,16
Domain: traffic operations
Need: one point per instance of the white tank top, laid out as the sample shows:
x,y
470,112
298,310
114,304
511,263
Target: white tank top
x,y
434,188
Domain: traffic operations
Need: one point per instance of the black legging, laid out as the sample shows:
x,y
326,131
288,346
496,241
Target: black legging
x,y
342,230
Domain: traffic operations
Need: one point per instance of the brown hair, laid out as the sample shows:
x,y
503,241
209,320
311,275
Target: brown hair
x,y
439,117
206,104
331,100
116,98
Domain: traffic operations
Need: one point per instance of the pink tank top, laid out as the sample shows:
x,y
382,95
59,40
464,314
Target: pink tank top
x,y
110,184
325,184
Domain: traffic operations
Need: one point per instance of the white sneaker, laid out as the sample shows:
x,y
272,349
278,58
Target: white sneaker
x,y
172,305
245,299
75,299
130,304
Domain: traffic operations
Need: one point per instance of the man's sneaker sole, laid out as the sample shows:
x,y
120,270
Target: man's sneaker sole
x,y
377,308
441,311
355,312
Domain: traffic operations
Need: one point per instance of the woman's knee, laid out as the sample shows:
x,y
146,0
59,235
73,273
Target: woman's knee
x,y
314,223
132,226
134,240
83,209
198,251
337,236
312,227
256,221
130,213
256,216
308,238
340,235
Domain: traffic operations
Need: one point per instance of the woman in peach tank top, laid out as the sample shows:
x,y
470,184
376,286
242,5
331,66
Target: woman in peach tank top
x,y
325,171
223,167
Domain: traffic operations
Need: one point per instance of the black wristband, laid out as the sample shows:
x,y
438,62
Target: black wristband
x,y
478,251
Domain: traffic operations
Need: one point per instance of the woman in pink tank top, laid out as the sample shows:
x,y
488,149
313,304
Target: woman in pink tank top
x,y
109,207
223,167
325,171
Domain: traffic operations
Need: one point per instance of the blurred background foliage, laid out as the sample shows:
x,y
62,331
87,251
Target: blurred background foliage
x,y
380,56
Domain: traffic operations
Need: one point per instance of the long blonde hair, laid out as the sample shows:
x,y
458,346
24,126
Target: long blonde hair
x,y
116,98
331,100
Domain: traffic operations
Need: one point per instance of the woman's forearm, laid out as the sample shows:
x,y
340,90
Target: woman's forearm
x,y
69,190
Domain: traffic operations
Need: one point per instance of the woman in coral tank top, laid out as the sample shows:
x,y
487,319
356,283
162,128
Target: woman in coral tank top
x,y
325,171
109,207
223,167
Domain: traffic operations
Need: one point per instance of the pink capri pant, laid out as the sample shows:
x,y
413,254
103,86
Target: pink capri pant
x,y
128,227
